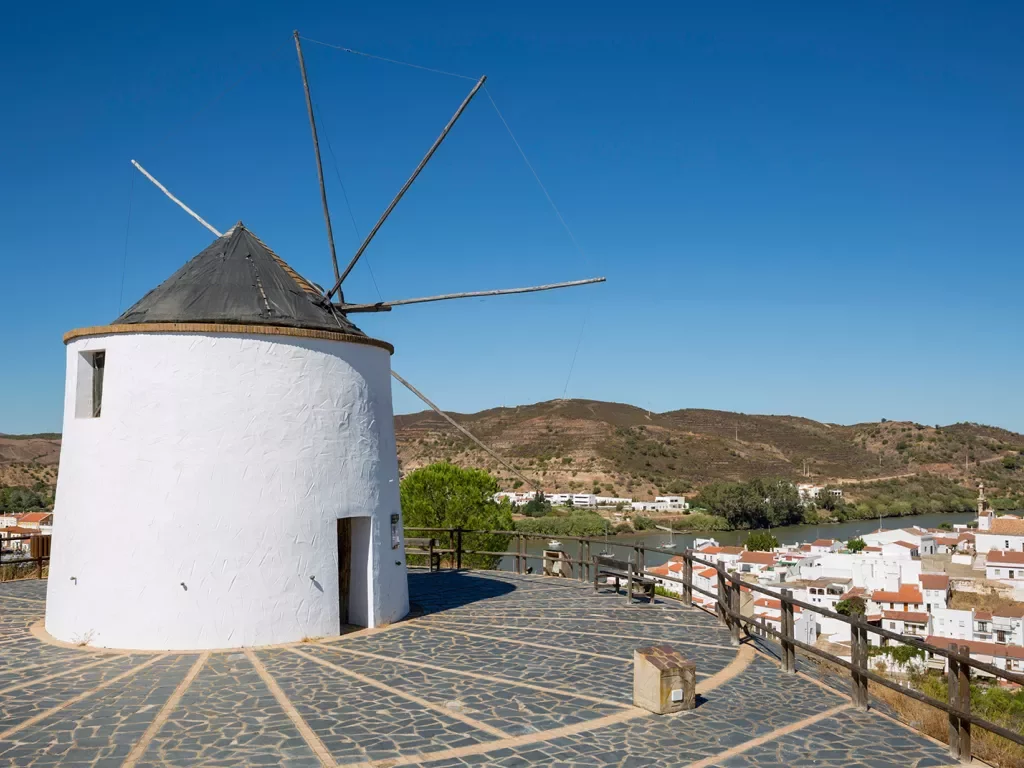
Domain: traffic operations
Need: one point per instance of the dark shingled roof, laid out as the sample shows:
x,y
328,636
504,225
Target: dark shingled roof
x,y
237,279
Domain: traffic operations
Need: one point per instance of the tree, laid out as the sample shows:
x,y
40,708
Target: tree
x,y
852,606
761,541
538,506
443,495
945,526
855,545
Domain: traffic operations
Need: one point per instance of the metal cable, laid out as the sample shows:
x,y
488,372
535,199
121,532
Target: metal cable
x,y
383,58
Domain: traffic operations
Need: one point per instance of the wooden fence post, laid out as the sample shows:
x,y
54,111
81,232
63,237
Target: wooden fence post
x,y
722,586
688,578
735,625
964,684
579,562
953,699
458,548
788,649
859,660
590,561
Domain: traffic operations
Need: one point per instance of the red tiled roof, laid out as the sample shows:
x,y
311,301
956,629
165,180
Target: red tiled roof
x,y
934,581
982,616
871,549
912,616
14,530
906,544
34,517
823,543
707,573
1008,527
855,592
908,593
980,648
759,558
1004,557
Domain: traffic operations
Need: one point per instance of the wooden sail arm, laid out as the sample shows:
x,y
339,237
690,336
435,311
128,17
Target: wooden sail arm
x,y
504,462
405,188
385,306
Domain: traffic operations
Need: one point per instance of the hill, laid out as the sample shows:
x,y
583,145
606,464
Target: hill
x,y
619,449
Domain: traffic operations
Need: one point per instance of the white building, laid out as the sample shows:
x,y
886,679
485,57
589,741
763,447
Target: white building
x,y
923,539
1006,532
824,546
584,500
228,466
936,590
611,501
952,624
1005,566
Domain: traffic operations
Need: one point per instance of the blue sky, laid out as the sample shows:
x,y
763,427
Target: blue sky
x,y
800,208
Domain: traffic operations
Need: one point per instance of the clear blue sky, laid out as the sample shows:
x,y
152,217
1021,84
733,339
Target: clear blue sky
x,y
800,208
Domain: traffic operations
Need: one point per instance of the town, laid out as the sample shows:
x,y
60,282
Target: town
x,y
901,580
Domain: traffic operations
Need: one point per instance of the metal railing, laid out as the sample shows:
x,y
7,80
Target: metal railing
x,y
13,559
727,602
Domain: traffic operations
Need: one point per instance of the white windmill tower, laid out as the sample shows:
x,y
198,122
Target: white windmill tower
x,y
229,473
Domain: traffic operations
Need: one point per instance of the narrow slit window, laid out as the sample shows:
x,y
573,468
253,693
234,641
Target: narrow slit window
x,y
89,397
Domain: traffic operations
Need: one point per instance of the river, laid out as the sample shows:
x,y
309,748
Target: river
x,y
621,545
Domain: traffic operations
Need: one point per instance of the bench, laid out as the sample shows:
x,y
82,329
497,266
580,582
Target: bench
x,y
628,572
424,547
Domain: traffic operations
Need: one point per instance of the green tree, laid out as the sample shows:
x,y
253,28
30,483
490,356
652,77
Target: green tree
x,y
945,526
855,545
761,541
443,495
538,506
852,606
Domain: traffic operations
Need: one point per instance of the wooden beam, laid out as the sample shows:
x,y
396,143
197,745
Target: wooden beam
x,y
465,431
385,306
184,207
404,189
316,150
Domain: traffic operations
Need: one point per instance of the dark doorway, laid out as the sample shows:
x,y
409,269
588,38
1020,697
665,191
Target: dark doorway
x,y
344,568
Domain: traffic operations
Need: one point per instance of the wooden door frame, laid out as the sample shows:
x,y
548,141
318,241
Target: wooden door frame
x,y
344,568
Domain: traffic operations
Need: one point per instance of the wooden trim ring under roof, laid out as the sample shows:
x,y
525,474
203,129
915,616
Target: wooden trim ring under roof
x,y
206,328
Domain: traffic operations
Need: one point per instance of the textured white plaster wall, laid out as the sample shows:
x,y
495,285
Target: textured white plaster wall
x,y
199,510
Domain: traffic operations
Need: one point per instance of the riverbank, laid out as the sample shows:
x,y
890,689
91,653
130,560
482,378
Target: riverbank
x,y
588,523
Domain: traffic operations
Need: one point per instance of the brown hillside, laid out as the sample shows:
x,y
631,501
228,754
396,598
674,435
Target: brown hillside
x,y
621,449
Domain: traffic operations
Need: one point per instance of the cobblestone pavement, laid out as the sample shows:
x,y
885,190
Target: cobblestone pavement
x,y
494,670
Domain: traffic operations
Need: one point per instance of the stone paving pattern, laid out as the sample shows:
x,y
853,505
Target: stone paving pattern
x,y
450,688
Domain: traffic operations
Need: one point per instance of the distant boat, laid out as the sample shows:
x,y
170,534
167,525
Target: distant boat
x,y
671,537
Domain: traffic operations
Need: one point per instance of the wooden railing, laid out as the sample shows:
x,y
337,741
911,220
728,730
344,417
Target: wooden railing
x,y
727,601
38,555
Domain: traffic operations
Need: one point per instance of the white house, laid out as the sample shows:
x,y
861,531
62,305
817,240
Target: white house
x,y
907,598
724,555
1005,566
228,472
952,624
754,563
1008,625
900,549
36,520
922,538
1009,657
584,500
912,623
1006,532
936,590
825,546
611,501
808,491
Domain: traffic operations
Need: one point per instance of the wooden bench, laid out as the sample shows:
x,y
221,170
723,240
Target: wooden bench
x,y
628,572
426,547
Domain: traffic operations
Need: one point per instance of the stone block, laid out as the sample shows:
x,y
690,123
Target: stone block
x,y
664,680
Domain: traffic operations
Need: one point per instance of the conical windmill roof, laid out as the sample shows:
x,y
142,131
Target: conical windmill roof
x,y
237,279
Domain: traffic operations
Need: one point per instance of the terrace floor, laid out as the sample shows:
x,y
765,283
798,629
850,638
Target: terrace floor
x,y
499,670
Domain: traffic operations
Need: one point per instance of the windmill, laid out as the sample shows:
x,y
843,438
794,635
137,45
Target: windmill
x,y
229,471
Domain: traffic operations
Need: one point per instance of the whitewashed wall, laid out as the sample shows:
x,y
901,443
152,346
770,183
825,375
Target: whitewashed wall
x,y
199,510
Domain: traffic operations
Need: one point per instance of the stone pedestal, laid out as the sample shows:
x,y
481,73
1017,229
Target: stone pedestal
x,y
664,681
